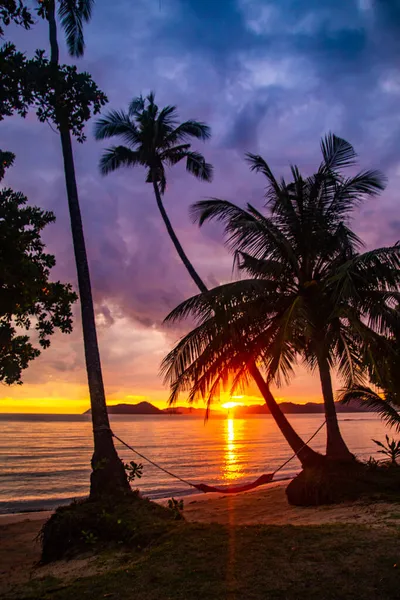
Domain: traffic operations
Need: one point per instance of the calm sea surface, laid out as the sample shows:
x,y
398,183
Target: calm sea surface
x,y
44,459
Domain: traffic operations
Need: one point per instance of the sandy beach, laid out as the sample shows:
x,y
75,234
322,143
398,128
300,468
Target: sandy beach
x,y
20,552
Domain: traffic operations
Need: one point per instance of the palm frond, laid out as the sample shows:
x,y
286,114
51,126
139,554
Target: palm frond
x,y
117,156
187,130
259,165
197,166
117,123
73,14
246,230
371,400
136,106
337,153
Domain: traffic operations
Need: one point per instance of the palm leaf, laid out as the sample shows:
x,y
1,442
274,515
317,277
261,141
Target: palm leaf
x,y
189,129
118,156
337,153
197,166
117,123
72,14
371,400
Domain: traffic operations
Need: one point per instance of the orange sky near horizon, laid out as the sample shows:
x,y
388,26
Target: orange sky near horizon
x,y
131,355
21,401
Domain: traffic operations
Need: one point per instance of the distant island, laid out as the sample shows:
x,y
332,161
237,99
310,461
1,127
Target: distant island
x,y
146,408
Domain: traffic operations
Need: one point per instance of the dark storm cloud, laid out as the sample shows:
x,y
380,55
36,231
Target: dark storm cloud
x,y
269,77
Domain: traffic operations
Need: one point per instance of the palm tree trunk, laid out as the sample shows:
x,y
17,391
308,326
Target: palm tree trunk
x,y
305,453
191,270
336,448
108,474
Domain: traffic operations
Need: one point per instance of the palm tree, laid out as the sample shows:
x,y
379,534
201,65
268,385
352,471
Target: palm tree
x,y
310,292
108,474
155,140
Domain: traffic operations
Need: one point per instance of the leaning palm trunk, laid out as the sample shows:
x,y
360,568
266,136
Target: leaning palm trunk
x,y
108,474
336,448
305,454
191,270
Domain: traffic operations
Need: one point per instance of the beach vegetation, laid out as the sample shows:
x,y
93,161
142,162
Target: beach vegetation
x,y
133,470
176,506
310,293
29,300
132,521
390,448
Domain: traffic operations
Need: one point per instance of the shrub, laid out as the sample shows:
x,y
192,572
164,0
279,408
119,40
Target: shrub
x,y
133,521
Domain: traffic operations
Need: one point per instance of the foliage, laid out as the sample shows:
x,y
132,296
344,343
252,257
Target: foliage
x,y
154,139
309,291
176,506
383,364
132,521
64,96
17,83
72,14
387,406
372,463
134,470
60,94
27,297
14,11
391,449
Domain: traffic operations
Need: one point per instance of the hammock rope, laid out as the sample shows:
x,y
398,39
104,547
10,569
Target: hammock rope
x,y
226,489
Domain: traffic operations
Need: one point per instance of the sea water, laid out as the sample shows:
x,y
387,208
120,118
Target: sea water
x,y
45,459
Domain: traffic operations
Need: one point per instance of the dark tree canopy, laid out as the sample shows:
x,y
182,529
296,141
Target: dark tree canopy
x,y
14,11
28,300
57,93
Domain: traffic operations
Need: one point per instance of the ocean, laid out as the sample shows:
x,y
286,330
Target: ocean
x,y
44,459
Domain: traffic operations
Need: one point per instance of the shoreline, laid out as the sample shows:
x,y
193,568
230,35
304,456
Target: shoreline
x,y
39,514
266,505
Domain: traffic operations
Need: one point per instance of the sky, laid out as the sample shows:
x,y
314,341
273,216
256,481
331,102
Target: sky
x,y
269,78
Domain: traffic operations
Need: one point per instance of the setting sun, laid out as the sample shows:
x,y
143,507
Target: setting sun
x,y
229,405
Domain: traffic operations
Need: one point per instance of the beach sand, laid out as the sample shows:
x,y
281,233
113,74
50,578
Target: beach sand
x,y
20,553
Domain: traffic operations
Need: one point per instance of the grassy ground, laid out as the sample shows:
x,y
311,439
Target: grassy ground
x,y
215,562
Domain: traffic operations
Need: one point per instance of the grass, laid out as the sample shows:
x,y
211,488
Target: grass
x,y
213,562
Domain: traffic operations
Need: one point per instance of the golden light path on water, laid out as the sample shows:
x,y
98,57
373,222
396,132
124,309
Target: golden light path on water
x,y
232,469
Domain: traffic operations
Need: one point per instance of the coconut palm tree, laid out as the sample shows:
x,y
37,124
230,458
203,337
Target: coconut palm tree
x,y
310,293
156,140
108,474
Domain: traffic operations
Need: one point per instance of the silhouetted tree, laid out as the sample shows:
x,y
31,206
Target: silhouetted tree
x,y
108,475
28,300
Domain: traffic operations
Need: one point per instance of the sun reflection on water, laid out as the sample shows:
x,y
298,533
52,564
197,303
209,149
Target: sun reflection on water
x,y
232,469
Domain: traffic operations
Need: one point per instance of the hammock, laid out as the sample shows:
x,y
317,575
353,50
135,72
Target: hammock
x,y
225,489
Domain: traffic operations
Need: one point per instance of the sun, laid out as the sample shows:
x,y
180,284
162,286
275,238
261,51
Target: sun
x,y
229,405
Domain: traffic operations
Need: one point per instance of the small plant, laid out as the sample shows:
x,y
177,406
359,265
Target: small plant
x,y
372,463
176,506
133,470
391,449
89,537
